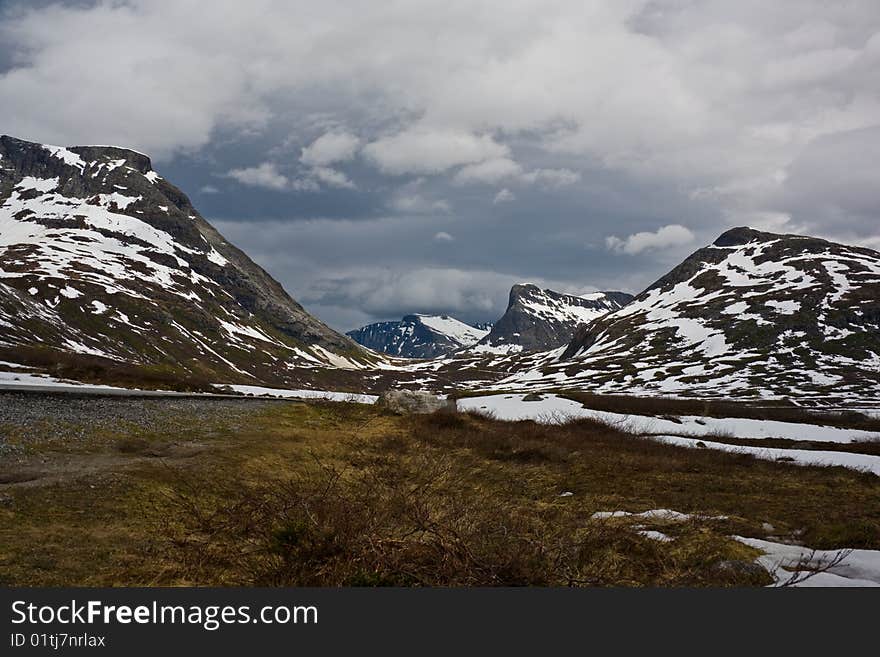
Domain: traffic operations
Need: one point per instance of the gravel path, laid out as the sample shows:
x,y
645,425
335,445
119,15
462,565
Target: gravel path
x,y
38,417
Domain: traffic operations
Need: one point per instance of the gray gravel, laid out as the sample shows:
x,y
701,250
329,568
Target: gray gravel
x,y
38,418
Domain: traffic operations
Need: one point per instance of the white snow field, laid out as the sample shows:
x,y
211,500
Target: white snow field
x,y
862,462
552,409
464,334
306,394
14,378
856,568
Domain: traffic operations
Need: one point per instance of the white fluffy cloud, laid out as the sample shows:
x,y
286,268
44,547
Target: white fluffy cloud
x,y
500,169
267,176
424,151
264,175
329,148
673,235
488,171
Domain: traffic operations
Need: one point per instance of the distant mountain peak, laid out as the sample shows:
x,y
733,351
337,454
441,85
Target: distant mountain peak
x,y
418,335
741,235
538,319
75,156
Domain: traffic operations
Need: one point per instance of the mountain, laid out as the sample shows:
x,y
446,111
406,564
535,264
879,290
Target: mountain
x,y
754,314
538,320
419,336
104,262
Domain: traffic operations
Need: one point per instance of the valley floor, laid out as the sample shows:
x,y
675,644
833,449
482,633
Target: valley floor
x,y
132,491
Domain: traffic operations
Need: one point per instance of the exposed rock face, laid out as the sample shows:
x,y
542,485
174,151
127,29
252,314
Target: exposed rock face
x,y
406,402
418,336
753,315
100,255
538,320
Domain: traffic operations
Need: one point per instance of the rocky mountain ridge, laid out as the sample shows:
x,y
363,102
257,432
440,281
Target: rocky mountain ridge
x,y
539,319
102,257
754,315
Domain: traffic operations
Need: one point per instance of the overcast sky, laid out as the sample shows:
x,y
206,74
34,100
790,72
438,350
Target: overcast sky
x,y
381,158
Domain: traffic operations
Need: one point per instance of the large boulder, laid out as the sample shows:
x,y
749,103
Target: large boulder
x,y
406,402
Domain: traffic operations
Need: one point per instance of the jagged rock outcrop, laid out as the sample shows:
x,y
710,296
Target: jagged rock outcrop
x,y
538,320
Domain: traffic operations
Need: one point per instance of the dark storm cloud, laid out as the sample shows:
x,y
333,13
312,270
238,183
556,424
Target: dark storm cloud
x,y
387,158
836,176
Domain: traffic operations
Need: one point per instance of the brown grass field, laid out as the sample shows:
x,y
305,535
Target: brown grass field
x,y
335,494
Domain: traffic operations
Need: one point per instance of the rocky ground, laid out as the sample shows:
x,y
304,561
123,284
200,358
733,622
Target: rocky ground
x,y
31,423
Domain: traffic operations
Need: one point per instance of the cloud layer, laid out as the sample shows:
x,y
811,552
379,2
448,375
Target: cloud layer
x,y
549,138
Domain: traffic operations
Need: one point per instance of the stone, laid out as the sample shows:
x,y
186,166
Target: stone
x,y
406,402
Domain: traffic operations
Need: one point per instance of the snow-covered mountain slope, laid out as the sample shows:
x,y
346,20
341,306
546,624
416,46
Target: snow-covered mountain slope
x,y
537,320
752,315
100,256
419,336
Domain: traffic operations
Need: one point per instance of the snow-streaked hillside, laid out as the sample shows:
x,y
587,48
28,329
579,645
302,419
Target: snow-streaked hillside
x,y
752,315
100,256
419,336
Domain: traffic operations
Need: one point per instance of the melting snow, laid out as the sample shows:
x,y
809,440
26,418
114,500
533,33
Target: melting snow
x,y
215,257
305,394
462,333
863,462
38,184
853,567
787,307
552,409
68,157
26,379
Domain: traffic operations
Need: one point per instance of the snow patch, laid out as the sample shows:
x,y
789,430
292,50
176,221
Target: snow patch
x,y
845,567
68,157
304,394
